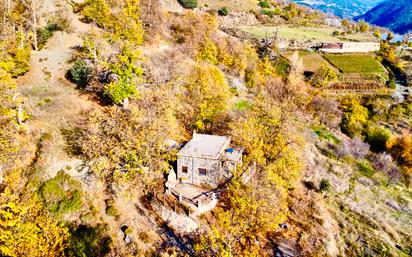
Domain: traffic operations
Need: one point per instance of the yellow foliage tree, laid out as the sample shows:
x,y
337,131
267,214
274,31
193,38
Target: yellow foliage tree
x,y
401,149
207,94
7,119
355,117
253,211
25,230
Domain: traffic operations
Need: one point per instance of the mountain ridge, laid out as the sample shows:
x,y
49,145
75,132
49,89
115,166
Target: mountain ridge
x,y
391,14
343,9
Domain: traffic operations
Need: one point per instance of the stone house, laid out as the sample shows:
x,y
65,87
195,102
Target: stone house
x,y
350,47
207,159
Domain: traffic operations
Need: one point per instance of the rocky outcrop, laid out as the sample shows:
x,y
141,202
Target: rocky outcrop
x,y
171,6
237,19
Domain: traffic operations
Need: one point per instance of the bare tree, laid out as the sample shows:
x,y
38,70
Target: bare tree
x,y
33,6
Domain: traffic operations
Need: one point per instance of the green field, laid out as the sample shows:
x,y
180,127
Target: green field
x,y
358,66
319,34
355,63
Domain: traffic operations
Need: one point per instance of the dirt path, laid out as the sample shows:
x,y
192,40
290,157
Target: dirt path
x,y
52,103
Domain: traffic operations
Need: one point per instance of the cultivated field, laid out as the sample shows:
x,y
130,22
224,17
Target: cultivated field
x,y
358,66
318,34
355,63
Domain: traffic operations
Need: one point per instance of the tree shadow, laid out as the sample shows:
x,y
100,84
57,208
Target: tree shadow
x,y
90,241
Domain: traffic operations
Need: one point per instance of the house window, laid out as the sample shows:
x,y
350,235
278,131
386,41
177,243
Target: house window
x,y
184,169
202,172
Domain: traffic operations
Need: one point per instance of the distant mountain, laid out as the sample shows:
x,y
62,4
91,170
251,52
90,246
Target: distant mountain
x,y
395,15
341,8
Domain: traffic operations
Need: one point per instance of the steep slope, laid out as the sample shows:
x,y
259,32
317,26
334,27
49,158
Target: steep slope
x,y
392,14
344,9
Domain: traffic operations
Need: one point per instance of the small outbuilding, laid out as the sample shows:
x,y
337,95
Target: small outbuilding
x,y
207,159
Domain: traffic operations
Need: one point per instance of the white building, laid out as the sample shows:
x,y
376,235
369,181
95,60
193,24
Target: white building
x,y
350,47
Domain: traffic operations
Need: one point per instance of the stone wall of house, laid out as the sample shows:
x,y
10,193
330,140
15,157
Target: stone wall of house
x,y
184,161
192,176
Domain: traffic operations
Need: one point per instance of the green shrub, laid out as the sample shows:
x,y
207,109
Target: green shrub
x,y
223,11
282,67
88,241
62,194
43,34
80,73
87,218
391,83
377,137
366,168
242,105
188,4
264,4
112,211
120,90
250,78
271,12
109,202
97,11
324,185
323,133
128,231
355,118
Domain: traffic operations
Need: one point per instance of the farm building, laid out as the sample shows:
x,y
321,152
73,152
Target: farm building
x,y
206,159
350,47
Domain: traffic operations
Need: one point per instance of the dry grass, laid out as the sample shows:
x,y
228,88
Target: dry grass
x,y
234,5
317,34
311,60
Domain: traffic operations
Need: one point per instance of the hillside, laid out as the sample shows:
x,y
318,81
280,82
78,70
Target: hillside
x,y
343,9
167,128
395,15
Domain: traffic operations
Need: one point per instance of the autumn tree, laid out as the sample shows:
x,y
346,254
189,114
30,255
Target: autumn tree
x,y
401,148
24,227
206,94
363,26
324,76
124,35
328,111
252,211
129,144
377,34
355,117
295,79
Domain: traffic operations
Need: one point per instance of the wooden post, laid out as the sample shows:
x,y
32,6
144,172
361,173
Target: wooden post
x,y
20,114
126,103
199,204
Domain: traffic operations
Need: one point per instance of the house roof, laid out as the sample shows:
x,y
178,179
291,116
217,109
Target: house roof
x,y
205,146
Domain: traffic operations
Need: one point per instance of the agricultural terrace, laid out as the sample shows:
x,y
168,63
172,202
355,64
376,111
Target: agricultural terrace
x,y
311,60
318,34
362,66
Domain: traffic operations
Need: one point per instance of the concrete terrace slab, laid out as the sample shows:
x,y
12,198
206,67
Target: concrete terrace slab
x,y
189,191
